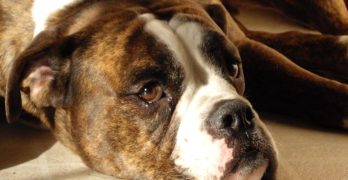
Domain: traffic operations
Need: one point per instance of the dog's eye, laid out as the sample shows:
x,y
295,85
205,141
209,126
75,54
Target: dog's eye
x,y
151,92
233,70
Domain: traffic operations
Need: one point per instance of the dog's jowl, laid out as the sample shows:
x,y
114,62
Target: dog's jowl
x,y
142,89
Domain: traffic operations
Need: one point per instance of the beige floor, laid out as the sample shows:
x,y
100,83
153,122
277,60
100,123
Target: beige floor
x,y
306,152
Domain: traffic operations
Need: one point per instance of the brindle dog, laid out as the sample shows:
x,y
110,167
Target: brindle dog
x,y
154,89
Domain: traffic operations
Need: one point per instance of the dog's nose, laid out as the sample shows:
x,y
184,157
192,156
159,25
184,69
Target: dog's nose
x,y
230,117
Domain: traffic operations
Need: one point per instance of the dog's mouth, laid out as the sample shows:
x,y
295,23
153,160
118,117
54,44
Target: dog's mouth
x,y
253,164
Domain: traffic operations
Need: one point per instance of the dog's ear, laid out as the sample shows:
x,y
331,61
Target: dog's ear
x,y
218,13
40,73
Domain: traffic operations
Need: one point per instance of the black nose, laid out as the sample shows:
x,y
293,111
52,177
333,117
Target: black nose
x,y
230,117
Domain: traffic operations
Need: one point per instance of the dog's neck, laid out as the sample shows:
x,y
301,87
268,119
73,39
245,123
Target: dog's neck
x,y
43,9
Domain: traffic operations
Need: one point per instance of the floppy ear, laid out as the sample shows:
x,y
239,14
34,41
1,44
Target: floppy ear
x,y
218,14
39,73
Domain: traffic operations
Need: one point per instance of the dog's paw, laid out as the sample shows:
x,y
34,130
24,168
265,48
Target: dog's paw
x,y
343,42
339,63
343,39
345,124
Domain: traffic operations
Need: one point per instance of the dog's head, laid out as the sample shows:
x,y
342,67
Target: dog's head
x,y
144,90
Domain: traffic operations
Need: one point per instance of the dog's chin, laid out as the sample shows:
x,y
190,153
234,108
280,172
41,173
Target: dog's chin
x,y
253,165
255,174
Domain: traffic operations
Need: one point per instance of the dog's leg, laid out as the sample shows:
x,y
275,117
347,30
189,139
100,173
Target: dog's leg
x,y
327,16
324,54
274,82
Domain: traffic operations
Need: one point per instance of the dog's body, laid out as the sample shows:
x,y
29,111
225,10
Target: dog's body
x,y
153,89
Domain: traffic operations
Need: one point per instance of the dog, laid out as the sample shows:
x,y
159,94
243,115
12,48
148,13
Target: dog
x,y
154,89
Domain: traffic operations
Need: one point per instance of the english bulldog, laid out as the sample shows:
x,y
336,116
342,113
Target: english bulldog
x,y
145,89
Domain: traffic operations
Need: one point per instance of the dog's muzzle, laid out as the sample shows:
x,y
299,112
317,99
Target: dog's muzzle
x,y
234,121
230,118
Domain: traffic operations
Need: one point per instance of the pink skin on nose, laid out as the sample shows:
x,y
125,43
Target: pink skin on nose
x,y
225,155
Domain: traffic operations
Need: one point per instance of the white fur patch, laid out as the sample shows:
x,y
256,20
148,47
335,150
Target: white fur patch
x,y
87,16
196,151
42,9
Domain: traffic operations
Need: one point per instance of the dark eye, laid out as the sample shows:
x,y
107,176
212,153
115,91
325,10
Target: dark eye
x,y
233,70
151,92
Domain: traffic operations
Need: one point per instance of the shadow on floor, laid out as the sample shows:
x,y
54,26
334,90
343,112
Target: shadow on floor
x,y
297,122
19,143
